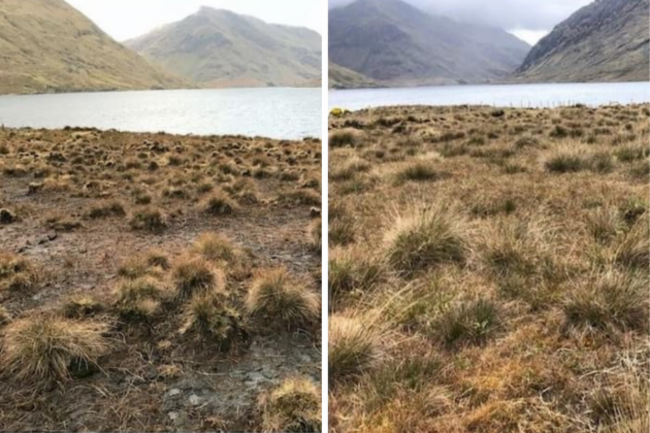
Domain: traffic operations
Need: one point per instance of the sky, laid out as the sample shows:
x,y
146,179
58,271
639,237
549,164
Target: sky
x,y
127,19
529,20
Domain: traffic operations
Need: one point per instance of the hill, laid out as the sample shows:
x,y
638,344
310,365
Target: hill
x,y
344,78
46,46
395,43
604,41
217,48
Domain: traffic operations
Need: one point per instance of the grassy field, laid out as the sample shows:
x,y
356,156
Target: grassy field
x,y
488,270
151,282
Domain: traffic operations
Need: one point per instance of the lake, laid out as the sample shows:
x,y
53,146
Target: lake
x,y
516,95
283,113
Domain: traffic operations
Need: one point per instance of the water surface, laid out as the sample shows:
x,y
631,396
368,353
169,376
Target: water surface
x,y
516,95
284,113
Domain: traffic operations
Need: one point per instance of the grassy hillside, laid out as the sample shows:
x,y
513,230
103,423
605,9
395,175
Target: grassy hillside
x,y
607,40
488,270
344,78
217,48
47,46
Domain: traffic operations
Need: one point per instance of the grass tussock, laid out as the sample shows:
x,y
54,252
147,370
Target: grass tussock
x,y
49,348
213,318
217,249
17,274
293,406
426,238
194,275
219,203
607,300
149,220
354,348
139,298
277,296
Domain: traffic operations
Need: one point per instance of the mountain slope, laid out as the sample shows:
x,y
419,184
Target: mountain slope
x,y
398,44
344,78
217,48
604,41
48,46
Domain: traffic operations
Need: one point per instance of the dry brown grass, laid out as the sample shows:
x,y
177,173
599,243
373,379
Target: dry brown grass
x,y
276,296
110,228
44,348
506,253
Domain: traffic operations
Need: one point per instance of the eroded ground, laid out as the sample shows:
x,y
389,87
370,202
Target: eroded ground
x,y
89,215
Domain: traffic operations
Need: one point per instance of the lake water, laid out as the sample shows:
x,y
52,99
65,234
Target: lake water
x,y
517,95
284,113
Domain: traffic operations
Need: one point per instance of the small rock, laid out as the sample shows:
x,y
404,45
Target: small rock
x,y
195,400
173,392
173,416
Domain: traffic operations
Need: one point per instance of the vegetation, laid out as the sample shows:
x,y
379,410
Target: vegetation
x,y
54,48
124,305
489,270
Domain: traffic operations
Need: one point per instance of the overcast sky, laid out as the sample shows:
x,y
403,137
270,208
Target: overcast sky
x,y
530,20
126,19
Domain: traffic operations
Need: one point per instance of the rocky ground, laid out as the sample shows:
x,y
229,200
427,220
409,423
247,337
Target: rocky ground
x,y
88,215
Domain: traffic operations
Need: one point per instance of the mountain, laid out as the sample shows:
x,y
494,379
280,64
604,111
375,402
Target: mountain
x,y
47,46
395,43
218,48
344,78
607,40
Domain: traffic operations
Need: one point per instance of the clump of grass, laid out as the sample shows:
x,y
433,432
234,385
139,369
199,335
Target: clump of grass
x,y
341,231
472,322
194,275
40,349
210,316
426,238
353,348
159,259
217,249
278,296
350,169
307,197
148,220
293,406
17,274
244,190
139,298
608,300
634,249
565,159
219,203
107,210
604,224
342,138
351,270
418,171
81,306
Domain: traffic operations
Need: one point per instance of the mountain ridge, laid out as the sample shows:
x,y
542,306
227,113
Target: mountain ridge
x,y
607,40
395,43
220,48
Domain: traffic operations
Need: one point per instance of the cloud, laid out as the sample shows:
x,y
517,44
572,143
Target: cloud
x,y
530,15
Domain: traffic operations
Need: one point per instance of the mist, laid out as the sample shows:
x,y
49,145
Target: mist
x,y
528,19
